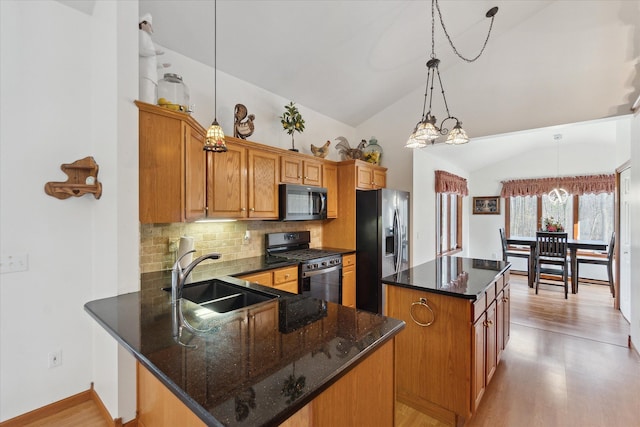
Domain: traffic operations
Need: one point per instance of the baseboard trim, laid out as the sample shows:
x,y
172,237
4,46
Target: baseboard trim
x,y
61,405
48,410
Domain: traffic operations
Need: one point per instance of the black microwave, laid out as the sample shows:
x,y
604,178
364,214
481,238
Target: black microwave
x,y
301,202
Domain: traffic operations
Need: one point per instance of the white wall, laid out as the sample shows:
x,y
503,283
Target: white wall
x,y
266,106
59,84
635,232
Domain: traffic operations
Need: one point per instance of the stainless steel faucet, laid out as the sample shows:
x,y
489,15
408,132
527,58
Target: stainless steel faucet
x,y
179,275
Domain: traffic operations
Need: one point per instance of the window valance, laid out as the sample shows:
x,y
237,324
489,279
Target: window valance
x,y
575,185
449,183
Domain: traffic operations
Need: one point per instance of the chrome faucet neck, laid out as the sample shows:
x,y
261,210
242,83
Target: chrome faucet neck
x,y
179,275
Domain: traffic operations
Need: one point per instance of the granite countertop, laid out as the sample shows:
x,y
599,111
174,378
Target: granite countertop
x,y
249,367
454,276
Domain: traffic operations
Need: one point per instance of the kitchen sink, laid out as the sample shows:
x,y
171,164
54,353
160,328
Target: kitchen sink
x,y
222,297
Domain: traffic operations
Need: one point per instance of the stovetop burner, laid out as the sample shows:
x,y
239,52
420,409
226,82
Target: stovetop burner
x,y
305,254
295,246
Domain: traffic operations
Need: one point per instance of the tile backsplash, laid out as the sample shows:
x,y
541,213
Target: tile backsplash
x,y
226,238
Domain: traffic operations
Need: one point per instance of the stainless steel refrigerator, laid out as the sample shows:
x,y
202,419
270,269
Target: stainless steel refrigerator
x,y
382,242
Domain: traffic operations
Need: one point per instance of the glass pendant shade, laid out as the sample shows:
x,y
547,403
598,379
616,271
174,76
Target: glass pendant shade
x,y
457,135
413,142
428,130
558,196
215,138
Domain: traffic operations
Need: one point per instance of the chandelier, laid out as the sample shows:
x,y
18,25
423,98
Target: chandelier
x,y
215,136
426,131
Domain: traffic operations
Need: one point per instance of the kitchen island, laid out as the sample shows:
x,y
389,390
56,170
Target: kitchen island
x,y
289,358
457,312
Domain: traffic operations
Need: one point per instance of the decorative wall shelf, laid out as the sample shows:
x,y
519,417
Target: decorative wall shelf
x,y
83,179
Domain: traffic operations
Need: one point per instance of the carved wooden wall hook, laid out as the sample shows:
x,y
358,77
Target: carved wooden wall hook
x,y
83,179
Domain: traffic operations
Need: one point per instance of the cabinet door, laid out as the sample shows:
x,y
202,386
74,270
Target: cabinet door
x,y
286,279
330,182
290,170
264,338
379,178
364,175
195,172
349,280
312,173
506,330
491,341
227,183
263,179
479,357
499,325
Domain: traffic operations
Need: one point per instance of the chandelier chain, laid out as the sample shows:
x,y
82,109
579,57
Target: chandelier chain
x,y
486,40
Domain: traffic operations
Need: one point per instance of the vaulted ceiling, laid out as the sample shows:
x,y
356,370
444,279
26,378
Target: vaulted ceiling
x,y
547,62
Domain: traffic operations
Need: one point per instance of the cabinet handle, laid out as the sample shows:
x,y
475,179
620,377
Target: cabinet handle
x,y
286,276
252,209
488,323
423,303
505,299
242,209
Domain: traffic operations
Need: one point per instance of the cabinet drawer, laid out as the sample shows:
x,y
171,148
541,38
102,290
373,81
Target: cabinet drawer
x,y
288,287
285,275
499,283
348,260
478,307
491,293
507,276
264,279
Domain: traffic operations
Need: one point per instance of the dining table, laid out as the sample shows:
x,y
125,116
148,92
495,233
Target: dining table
x,y
573,244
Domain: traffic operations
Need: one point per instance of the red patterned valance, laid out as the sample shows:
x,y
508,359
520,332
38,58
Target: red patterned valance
x,y
449,183
575,185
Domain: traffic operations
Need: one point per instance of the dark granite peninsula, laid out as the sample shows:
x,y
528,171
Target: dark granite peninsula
x,y
457,312
289,360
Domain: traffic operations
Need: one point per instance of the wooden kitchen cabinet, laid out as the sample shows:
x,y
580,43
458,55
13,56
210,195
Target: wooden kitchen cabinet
x,y
349,280
443,369
296,170
341,231
242,183
330,182
284,279
370,177
172,166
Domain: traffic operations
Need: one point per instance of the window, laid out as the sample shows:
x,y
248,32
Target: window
x,y
586,217
449,233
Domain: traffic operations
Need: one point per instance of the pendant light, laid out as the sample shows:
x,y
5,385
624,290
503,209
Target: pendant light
x,y
426,132
558,195
215,136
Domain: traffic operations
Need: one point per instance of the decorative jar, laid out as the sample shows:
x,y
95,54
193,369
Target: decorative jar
x,y
173,93
372,152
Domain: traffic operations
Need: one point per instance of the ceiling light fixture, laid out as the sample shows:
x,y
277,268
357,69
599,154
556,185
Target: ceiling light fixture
x,y
558,195
426,132
215,136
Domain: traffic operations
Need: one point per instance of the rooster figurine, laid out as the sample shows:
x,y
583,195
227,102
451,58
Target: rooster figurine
x,y
321,151
346,151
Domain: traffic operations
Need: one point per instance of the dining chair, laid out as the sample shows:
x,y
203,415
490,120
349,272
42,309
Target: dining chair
x,y
506,253
608,261
551,258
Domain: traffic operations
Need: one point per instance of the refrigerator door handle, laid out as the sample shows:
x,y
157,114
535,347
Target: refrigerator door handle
x,y
397,241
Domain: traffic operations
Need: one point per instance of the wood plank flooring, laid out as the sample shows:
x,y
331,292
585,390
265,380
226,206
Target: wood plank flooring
x,y
567,364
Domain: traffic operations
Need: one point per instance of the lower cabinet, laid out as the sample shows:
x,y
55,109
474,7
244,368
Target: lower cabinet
x,y
364,396
349,280
284,279
443,369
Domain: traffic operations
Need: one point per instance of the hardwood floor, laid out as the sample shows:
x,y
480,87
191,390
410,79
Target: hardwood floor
x,y
567,364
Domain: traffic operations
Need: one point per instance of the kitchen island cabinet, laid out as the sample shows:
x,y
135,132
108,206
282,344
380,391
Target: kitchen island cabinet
x,y
290,357
449,350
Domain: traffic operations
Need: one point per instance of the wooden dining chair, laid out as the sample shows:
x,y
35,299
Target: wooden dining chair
x,y
551,258
608,261
506,253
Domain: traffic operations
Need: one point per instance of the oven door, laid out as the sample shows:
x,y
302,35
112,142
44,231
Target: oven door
x,y
325,284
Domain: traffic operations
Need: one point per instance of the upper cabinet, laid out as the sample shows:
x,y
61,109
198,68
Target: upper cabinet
x,y
330,182
172,166
295,170
370,177
242,183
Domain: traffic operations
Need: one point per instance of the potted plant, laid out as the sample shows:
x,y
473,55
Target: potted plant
x,y
292,122
550,224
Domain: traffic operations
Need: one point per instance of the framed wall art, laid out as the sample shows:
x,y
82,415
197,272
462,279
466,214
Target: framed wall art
x,y
486,205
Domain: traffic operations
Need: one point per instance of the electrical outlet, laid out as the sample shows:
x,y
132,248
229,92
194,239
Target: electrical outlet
x,y
246,238
14,263
55,358
173,246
